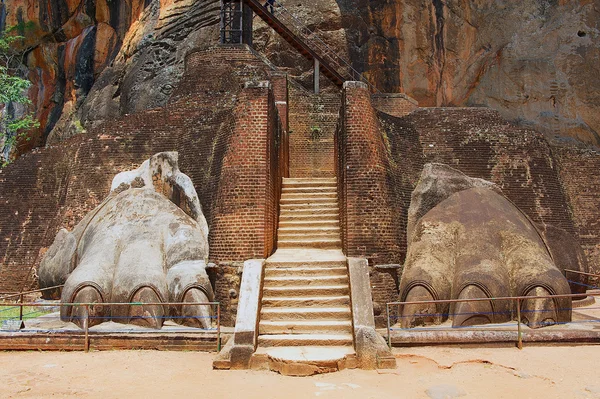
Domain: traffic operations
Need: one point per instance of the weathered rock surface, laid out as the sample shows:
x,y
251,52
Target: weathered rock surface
x,y
99,59
534,61
146,242
476,244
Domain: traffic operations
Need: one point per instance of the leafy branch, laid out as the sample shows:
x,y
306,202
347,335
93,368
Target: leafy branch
x,y
12,91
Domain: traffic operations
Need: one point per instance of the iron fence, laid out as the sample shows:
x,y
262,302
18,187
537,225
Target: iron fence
x,y
41,314
394,314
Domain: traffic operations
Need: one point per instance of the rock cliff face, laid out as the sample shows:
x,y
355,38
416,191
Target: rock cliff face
x,y
536,61
91,60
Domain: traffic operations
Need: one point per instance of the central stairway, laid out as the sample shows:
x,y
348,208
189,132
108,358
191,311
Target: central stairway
x,y
305,319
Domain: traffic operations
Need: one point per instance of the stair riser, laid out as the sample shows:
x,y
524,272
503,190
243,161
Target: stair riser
x,y
308,196
302,203
296,329
304,291
307,216
308,281
313,223
310,244
305,302
308,237
288,272
305,264
325,183
308,230
262,341
309,190
295,316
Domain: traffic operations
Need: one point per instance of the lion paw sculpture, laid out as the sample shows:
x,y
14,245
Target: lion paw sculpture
x,y
466,240
147,242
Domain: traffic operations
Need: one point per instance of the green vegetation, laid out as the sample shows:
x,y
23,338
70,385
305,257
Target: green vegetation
x,y
29,312
12,92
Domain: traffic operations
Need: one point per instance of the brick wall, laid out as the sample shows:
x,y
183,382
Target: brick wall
x,y
312,123
395,104
229,144
478,142
578,170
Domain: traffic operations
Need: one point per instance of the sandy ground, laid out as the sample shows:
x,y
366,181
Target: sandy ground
x,y
435,372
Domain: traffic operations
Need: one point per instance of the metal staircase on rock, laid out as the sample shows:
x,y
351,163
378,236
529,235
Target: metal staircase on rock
x,y
305,40
305,315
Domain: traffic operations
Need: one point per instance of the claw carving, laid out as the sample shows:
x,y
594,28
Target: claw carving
x,y
466,240
145,243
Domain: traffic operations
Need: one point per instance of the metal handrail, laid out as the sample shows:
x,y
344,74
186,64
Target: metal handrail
x,y
582,273
518,300
31,292
326,51
87,305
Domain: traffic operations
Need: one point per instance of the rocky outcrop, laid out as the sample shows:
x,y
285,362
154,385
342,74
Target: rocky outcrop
x,y
99,59
146,242
534,61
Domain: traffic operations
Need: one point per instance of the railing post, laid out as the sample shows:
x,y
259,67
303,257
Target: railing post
x,y
21,308
519,333
86,324
389,335
218,327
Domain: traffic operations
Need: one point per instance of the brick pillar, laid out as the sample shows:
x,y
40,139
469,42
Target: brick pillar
x,y
370,226
245,210
367,216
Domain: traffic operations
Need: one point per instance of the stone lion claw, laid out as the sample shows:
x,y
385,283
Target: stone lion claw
x,y
144,245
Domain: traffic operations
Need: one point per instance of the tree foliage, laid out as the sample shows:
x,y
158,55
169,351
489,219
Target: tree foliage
x,y
13,89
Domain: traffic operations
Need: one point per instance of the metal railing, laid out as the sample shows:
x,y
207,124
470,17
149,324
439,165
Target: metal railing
x,y
517,300
577,272
314,41
215,318
20,295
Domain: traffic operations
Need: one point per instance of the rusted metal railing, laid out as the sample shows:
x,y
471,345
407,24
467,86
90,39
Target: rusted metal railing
x,y
87,317
517,300
20,295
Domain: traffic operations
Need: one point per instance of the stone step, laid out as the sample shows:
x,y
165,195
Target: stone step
x,y
306,214
310,189
305,327
314,236
324,182
307,200
309,280
309,243
299,263
295,223
308,290
307,228
305,339
293,313
309,195
303,302
308,210
304,272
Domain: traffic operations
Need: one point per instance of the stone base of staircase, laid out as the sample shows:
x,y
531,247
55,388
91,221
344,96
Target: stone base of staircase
x,y
302,361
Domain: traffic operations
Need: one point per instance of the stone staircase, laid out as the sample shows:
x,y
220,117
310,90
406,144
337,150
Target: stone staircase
x,y
309,214
305,319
